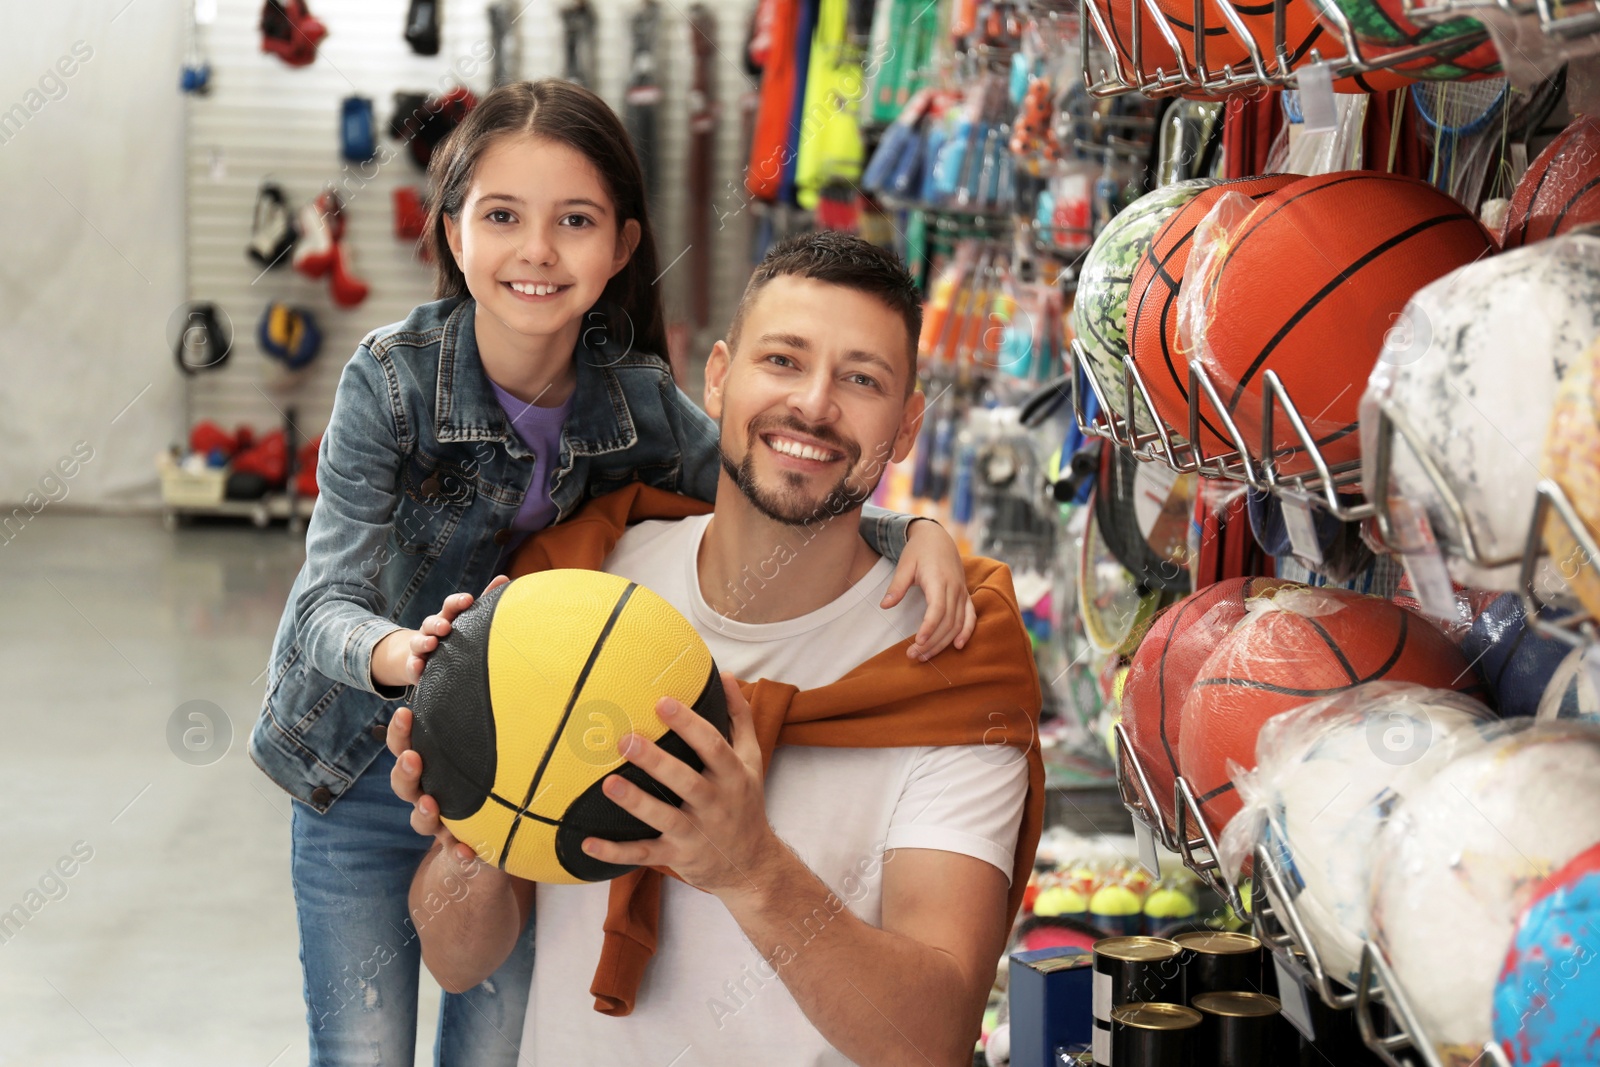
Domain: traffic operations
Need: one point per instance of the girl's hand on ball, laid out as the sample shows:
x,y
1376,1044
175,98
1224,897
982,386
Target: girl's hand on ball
x,y
720,837
423,641
406,781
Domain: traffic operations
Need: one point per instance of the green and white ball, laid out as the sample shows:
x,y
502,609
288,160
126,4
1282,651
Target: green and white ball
x,y
1100,310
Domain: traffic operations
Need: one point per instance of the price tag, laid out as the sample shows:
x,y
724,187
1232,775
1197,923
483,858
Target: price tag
x,y
1292,996
1149,858
1424,563
1302,528
1316,98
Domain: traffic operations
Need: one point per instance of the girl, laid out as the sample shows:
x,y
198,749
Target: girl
x,y
534,382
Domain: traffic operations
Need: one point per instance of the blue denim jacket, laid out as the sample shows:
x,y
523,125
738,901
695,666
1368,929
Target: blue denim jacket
x,y
421,475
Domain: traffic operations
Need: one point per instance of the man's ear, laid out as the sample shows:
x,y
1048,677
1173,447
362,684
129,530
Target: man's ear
x,y
627,241
910,423
452,235
716,377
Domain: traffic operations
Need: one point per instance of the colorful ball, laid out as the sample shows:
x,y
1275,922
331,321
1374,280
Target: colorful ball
x,y
1100,310
1460,858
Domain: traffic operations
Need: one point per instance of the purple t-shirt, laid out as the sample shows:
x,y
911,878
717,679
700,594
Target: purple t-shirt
x,y
540,430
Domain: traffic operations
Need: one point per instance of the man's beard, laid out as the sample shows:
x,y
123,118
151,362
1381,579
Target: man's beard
x,y
784,508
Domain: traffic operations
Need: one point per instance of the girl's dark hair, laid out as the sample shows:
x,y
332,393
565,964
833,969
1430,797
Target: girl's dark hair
x,y
629,310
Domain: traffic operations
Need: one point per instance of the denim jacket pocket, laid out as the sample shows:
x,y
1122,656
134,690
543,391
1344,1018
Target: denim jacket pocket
x,y
434,496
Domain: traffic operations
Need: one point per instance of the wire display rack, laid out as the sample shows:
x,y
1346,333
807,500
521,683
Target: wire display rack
x,y
1130,72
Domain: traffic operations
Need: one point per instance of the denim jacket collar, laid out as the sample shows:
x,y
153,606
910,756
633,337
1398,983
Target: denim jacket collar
x,y
465,407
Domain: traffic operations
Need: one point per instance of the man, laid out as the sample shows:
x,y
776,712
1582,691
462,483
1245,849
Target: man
x,y
851,903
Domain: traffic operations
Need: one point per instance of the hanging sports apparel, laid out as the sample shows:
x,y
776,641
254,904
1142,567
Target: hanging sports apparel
x,y
289,31
505,65
802,65
579,24
830,147
643,95
764,170
702,148
357,141
422,27
272,233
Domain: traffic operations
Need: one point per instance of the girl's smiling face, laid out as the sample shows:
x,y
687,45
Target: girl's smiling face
x,y
538,237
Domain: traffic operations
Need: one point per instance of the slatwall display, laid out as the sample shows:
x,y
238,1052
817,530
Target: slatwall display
x,y
263,119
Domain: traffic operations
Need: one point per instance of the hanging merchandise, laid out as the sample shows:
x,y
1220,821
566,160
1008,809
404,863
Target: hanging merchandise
x,y
272,233
423,122
580,35
830,149
204,343
793,131
289,32
505,65
642,98
702,147
422,27
763,172
322,252
410,214
289,335
357,140
196,76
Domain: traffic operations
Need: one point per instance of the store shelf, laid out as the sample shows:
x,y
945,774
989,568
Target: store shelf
x,y
274,507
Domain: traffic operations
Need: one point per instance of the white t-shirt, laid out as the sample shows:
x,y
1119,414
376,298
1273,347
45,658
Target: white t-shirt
x,y
708,999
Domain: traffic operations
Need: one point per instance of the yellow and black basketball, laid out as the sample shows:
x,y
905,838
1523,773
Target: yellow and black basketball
x,y
519,711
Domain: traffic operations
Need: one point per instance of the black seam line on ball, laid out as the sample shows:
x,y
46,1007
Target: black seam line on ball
x,y
511,805
1214,794
1333,646
1268,687
572,702
1338,279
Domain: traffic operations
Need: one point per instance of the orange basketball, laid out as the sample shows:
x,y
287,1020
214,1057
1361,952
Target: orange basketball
x,y
1169,657
1302,31
1561,189
1153,306
1316,277
1154,51
1309,643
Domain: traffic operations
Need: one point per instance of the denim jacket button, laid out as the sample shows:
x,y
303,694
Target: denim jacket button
x,y
502,537
322,796
379,732
430,485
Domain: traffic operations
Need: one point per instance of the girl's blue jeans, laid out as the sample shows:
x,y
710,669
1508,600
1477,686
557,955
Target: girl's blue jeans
x,y
359,950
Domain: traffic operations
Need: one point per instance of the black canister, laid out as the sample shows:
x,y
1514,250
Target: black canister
x,y
1237,1029
1153,1035
1217,961
1129,970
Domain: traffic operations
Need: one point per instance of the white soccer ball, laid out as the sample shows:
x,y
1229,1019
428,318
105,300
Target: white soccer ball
x,y
1328,775
1473,365
1460,857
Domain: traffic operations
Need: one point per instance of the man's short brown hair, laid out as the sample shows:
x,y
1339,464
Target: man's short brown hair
x,y
840,259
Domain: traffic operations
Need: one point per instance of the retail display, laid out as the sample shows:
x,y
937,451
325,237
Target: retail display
x,y
1260,341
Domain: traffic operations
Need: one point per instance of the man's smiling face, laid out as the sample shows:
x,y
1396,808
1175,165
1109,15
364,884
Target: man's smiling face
x,y
814,403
